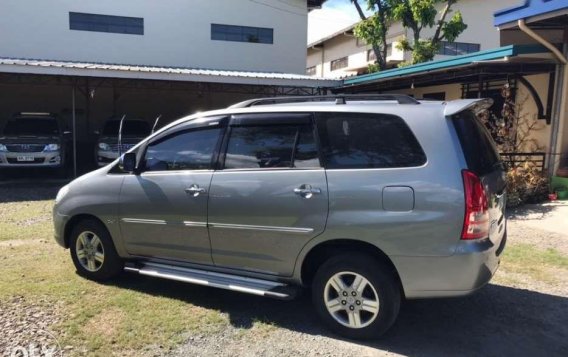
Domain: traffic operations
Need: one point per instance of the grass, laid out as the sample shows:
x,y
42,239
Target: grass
x,y
137,314
539,264
103,319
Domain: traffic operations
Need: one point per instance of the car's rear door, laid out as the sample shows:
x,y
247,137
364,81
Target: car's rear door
x,y
269,197
483,159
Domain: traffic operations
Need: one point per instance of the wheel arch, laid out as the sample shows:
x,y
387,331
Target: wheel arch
x,y
318,254
73,221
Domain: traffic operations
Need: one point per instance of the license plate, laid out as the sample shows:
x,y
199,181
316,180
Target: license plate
x,y
25,158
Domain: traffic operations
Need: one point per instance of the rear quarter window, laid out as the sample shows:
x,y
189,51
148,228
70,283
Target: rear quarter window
x,y
363,140
478,147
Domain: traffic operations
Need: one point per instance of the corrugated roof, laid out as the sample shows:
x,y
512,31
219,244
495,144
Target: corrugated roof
x,y
488,55
34,66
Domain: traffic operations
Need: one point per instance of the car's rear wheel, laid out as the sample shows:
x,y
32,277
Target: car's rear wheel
x,y
356,296
93,252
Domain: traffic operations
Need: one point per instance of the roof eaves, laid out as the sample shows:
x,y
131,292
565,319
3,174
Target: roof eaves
x,y
333,35
529,9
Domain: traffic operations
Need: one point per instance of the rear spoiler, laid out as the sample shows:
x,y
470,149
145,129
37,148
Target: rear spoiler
x,y
457,106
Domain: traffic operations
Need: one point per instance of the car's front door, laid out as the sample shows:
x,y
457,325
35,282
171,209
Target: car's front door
x,y
163,208
270,197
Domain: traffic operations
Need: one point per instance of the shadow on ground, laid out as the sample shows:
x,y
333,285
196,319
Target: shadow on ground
x,y
530,211
497,320
26,191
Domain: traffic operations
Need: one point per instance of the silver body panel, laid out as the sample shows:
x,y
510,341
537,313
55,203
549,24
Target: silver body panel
x,y
251,223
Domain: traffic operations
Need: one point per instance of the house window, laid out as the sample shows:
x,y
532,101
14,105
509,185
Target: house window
x,y
435,96
389,49
457,48
311,71
339,63
106,23
371,56
242,34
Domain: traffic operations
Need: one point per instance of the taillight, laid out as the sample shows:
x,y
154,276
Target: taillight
x,y
476,221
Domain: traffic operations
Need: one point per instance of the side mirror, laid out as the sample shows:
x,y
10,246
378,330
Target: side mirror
x,y
128,162
96,132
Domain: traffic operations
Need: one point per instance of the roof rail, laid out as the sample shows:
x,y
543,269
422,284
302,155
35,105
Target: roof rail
x,y
338,98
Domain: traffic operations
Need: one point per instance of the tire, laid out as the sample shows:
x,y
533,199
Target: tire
x,y
376,302
91,239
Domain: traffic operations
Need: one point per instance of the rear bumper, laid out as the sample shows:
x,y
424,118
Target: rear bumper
x,y
470,268
40,159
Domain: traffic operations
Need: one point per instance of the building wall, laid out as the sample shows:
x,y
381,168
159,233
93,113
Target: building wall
x,y
541,132
477,14
347,45
176,33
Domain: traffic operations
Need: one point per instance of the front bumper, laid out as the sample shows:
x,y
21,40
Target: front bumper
x,y
106,157
32,159
470,268
59,222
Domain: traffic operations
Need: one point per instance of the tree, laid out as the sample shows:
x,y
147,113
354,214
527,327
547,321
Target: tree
x,y
418,14
373,29
415,15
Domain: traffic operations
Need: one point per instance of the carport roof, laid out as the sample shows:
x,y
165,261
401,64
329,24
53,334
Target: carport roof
x,y
503,55
86,69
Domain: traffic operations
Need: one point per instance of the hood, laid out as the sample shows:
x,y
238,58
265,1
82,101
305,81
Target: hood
x,y
29,140
125,139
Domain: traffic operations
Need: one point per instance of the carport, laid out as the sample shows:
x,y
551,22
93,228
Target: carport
x,y
84,95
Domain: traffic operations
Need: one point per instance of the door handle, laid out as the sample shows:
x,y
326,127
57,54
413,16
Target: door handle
x,y
307,191
194,190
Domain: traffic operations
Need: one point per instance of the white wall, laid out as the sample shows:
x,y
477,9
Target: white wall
x,y
176,33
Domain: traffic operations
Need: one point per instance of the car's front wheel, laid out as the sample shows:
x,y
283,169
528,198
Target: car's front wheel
x,y
93,252
356,296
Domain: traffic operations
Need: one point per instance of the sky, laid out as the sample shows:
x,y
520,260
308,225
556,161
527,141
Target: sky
x,y
332,17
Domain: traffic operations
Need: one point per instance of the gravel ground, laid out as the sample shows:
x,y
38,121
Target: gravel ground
x,y
25,325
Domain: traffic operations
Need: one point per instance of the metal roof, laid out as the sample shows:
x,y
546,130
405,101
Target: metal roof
x,y
458,61
86,69
530,8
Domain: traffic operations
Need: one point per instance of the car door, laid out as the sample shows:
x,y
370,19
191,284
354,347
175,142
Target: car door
x,y
163,208
270,196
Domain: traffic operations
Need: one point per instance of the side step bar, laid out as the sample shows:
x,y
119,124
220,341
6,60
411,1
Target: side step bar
x,y
216,280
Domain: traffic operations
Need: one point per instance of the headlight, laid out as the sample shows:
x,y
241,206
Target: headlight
x,y
3,147
104,146
62,192
51,147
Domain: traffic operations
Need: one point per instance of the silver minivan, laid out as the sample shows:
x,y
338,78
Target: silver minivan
x,y
365,200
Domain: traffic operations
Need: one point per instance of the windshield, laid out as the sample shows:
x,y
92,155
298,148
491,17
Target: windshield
x,y
32,127
136,128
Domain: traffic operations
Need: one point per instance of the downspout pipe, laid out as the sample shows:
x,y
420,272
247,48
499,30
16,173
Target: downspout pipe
x,y
562,97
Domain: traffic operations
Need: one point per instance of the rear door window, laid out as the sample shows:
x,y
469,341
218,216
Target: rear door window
x,y
477,145
273,145
363,140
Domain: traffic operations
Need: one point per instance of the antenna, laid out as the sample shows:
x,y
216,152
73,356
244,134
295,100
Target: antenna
x,y
156,123
120,135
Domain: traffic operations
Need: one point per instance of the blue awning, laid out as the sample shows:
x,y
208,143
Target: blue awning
x,y
529,9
